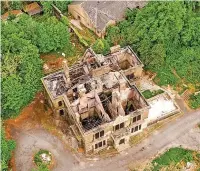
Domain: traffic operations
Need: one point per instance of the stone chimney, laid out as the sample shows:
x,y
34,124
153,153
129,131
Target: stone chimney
x,y
66,70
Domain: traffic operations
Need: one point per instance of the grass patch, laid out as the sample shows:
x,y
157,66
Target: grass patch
x,y
194,101
173,155
40,160
149,94
41,168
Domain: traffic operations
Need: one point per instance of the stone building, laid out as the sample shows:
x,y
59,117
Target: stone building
x,y
97,15
95,96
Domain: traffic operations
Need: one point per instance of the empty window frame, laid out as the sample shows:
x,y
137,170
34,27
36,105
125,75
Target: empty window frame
x,y
60,103
136,118
119,126
61,111
122,141
135,129
130,77
100,144
99,134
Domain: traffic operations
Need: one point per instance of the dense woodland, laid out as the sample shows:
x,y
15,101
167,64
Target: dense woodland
x,y
165,36
22,42
23,39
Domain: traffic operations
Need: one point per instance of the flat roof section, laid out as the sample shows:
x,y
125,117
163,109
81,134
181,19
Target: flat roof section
x,y
161,106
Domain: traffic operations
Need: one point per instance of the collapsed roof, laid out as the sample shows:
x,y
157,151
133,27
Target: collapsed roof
x,y
96,89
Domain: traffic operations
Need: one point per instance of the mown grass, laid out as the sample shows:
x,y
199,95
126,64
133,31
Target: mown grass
x,y
173,156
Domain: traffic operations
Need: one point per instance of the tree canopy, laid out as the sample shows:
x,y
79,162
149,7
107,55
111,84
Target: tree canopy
x,y
101,46
166,37
61,5
22,41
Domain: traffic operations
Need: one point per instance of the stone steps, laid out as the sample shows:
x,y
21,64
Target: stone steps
x,y
186,95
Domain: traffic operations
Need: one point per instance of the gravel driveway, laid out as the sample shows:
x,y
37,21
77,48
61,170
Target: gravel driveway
x,y
30,141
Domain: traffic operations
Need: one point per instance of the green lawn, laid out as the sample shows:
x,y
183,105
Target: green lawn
x,y
173,156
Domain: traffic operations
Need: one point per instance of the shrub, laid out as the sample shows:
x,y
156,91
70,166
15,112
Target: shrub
x,y
149,94
38,159
194,101
7,146
101,46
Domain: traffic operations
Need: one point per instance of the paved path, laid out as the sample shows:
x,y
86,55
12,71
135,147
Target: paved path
x,y
31,141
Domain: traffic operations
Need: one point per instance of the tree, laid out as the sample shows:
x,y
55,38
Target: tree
x,y
113,35
15,5
166,37
62,5
131,14
7,146
21,69
47,7
22,40
101,46
52,35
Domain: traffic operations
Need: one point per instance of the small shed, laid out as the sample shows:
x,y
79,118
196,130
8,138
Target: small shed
x,y
33,8
12,12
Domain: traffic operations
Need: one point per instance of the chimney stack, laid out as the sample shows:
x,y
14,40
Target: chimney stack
x,y
66,70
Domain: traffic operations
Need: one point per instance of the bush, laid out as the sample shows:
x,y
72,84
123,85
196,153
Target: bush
x,y
62,5
101,46
194,101
149,94
7,146
38,159
113,35
64,20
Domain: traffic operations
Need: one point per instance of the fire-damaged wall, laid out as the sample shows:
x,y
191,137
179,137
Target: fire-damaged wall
x,y
97,99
